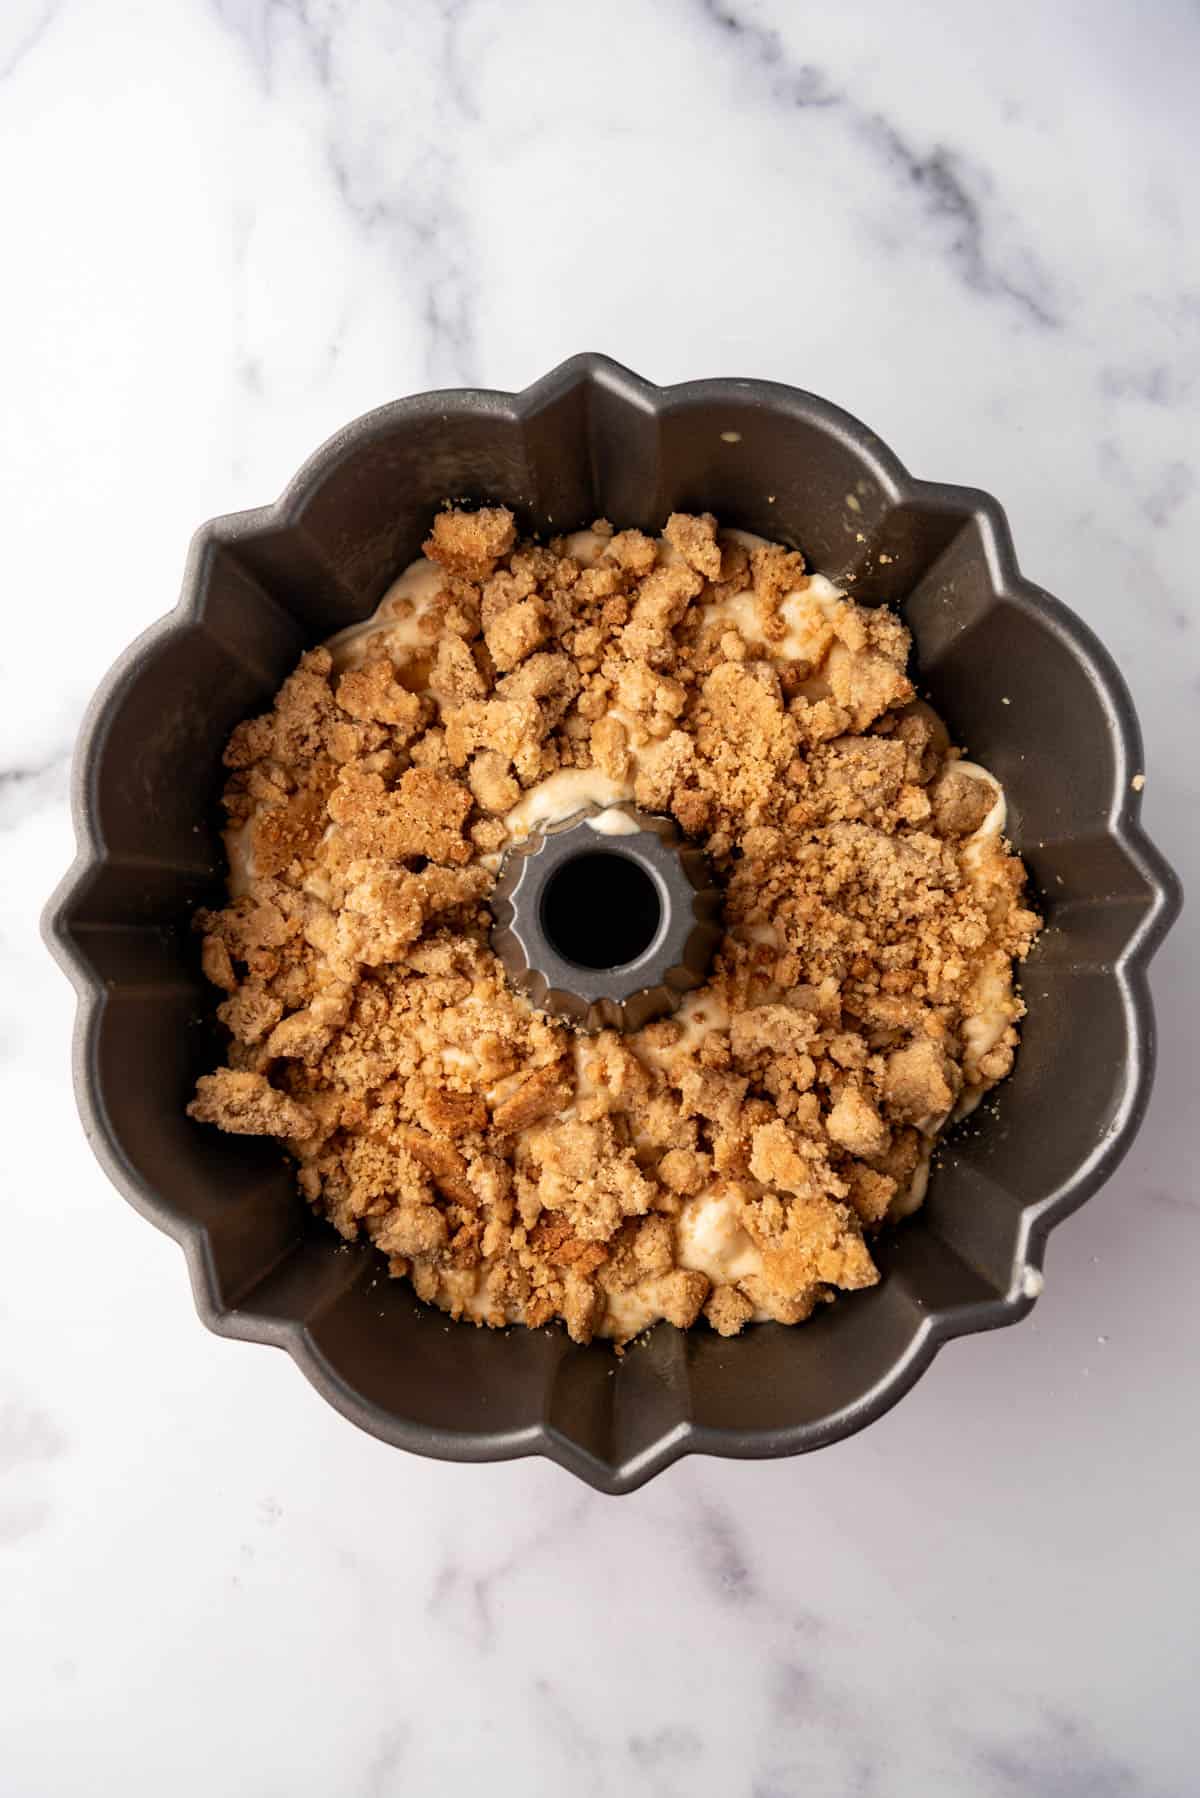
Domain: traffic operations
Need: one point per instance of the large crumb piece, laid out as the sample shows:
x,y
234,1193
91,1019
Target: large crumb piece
x,y
960,802
681,1295
920,1082
776,572
728,1310
412,1230
250,1013
471,543
493,782
867,667
730,1163
811,1241
423,815
373,692
217,963
455,676
632,551
696,540
745,739
661,603
854,1123
288,832
541,1095
247,1105
512,728
516,633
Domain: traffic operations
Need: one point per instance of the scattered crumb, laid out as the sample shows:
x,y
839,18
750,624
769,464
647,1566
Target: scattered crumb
x,y
1138,782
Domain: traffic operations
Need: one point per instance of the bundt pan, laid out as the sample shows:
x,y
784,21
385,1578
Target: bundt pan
x,y
1021,682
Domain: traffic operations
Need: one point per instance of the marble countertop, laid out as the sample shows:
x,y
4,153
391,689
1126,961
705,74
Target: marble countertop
x,y
230,226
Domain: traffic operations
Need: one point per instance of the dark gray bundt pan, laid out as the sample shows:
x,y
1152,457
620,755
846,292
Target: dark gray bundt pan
x,y
1023,683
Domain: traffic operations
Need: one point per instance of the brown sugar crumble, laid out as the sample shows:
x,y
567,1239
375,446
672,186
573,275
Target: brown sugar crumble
x,y
731,1162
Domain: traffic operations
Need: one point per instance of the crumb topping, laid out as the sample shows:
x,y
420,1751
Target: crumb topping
x,y
731,1162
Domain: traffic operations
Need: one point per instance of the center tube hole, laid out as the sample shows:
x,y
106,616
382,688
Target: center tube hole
x,y
601,910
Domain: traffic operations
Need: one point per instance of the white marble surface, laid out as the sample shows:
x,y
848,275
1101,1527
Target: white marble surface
x,y
230,226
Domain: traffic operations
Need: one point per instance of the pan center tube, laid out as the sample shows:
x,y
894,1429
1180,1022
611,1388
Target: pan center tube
x,y
607,927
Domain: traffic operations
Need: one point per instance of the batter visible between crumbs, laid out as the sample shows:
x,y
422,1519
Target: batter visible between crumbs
x,y
731,1162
